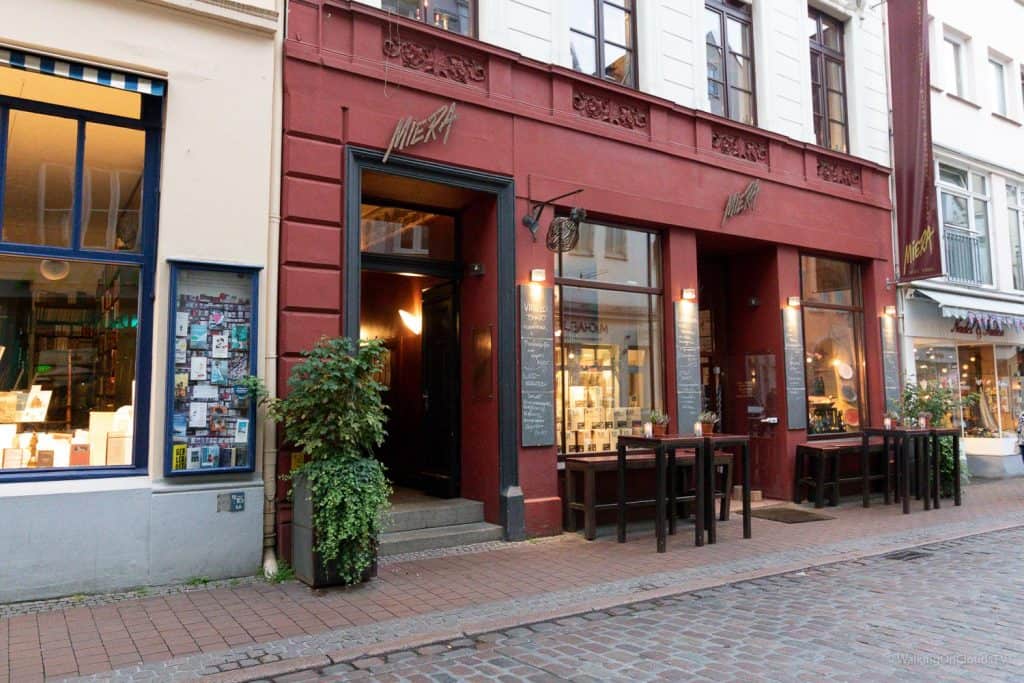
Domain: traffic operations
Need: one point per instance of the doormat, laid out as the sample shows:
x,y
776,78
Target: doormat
x,y
788,515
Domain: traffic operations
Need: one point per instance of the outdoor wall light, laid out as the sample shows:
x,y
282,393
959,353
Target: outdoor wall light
x,y
793,302
689,294
538,275
890,311
411,321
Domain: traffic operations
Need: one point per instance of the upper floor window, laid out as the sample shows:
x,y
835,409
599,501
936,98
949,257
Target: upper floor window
x,y
602,39
828,81
1015,207
998,85
457,16
963,207
953,54
730,48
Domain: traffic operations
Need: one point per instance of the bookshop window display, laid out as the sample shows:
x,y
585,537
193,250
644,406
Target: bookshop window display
x,y
609,366
833,330
211,344
77,234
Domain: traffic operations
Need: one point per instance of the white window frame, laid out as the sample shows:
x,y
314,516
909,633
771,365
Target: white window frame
x,y
970,194
1000,101
1015,205
959,82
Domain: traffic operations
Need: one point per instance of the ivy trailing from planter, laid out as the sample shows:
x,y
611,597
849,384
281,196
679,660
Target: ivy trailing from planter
x,y
335,415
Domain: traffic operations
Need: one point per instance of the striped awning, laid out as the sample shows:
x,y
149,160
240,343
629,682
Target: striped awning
x,y
80,72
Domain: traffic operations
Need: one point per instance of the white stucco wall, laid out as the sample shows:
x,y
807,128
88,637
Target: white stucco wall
x,y
672,57
215,205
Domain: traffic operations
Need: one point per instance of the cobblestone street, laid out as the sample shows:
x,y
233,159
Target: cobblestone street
x,y
946,611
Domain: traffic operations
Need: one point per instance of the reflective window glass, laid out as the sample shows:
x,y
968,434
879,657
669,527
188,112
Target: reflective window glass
x,y
112,193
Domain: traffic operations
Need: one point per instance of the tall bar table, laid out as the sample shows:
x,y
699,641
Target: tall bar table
x,y
910,444
712,443
664,448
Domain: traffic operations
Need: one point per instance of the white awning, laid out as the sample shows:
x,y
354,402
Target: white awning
x,y
987,312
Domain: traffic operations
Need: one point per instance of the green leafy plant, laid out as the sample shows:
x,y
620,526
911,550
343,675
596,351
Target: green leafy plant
x,y
932,402
284,573
335,415
197,581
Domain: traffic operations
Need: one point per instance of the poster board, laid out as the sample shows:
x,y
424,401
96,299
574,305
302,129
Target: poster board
x,y
689,392
793,357
890,362
537,365
211,349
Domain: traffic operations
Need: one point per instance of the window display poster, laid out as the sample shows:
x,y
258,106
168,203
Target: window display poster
x,y
211,416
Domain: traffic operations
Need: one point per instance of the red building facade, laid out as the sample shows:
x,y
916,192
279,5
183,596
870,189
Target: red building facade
x,y
525,132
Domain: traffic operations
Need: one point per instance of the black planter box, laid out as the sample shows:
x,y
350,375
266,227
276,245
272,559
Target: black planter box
x,y
306,563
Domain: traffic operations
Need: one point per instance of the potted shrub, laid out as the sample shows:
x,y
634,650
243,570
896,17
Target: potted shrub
x,y
335,416
707,421
659,423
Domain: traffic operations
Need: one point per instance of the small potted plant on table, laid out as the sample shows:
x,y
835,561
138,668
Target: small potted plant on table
x,y
333,413
707,421
659,423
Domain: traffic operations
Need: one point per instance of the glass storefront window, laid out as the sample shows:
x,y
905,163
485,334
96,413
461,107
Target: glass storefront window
x,y
609,361
937,366
112,193
1009,361
978,376
68,333
833,329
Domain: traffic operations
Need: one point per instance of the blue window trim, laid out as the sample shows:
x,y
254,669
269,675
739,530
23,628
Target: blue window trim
x,y
151,117
177,266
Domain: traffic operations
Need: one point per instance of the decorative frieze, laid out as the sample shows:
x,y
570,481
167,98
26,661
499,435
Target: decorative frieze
x,y
601,108
434,60
734,144
835,171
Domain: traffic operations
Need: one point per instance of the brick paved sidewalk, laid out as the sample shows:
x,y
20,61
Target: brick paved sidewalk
x,y
180,635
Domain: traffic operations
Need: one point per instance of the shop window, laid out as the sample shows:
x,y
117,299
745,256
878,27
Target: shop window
x,y
1015,211
457,16
833,343
602,37
403,232
828,81
609,338
936,365
963,206
76,256
68,335
730,60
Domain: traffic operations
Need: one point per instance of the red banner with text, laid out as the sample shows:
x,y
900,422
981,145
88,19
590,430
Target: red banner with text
x,y
917,233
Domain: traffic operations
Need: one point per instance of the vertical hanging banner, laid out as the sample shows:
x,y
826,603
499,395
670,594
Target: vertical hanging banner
x,y
916,214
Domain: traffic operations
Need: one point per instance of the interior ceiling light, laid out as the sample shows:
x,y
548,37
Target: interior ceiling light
x,y
53,269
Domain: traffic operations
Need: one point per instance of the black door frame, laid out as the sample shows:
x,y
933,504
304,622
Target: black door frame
x,y
359,159
454,484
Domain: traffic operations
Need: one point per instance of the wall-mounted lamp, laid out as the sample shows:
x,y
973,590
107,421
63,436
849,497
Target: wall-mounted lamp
x,y
538,275
413,322
890,311
689,294
793,302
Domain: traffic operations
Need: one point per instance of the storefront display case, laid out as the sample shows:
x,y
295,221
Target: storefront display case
x,y
211,349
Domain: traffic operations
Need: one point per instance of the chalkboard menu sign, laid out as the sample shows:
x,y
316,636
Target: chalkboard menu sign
x,y
537,365
688,387
890,363
793,350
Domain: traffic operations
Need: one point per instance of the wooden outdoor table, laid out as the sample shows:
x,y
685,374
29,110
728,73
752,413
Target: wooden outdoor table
x,y
713,442
664,448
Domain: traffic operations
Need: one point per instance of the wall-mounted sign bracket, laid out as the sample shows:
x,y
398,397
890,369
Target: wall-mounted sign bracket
x,y
532,219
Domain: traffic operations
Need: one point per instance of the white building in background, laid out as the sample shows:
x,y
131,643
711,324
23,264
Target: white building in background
x,y
135,136
748,60
966,330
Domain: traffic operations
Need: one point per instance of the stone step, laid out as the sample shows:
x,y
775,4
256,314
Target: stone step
x,y
416,540
426,513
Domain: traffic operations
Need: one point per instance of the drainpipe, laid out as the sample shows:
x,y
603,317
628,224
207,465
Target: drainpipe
x,y
270,343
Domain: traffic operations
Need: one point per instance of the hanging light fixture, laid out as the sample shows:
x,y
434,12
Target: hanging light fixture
x,y
54,269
